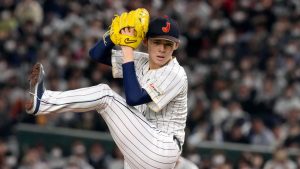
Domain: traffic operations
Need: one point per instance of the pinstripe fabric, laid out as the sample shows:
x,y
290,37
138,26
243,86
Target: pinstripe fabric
x,y
143,145
147,147
144,133
79,100
167,87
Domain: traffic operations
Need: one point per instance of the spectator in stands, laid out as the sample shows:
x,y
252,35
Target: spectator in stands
x,y
257,161
236,135
288,101
265,98
235,113
218,113
236,127
280,160
55,158
292,128
32,160
97,156
279,133
29,10
72,164
260,134
117,160
218,160
245,93
78,155
243,164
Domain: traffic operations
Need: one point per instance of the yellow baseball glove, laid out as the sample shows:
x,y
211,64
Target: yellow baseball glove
x,y
137,19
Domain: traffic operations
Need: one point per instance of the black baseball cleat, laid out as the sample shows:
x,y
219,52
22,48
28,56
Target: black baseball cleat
x,y
36,90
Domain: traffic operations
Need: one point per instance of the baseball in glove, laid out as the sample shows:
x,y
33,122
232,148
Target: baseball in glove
x,y
137,19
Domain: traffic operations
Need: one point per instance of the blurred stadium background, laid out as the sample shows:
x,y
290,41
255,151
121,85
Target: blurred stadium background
x,y
242,59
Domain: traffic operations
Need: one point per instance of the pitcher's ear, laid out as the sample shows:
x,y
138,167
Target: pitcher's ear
x,y
176,45
145,42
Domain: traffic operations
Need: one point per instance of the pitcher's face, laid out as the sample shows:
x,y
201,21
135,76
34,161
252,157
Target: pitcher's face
x,y
160,51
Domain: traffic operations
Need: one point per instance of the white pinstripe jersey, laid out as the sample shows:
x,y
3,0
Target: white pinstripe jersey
x,y
167,86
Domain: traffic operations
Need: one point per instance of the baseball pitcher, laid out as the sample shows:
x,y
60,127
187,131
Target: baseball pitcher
x,y
148,124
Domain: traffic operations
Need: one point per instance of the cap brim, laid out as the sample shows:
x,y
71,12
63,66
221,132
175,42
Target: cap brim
x,y
169,38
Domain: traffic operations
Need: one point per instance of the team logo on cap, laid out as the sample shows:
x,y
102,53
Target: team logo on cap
x,y
166,28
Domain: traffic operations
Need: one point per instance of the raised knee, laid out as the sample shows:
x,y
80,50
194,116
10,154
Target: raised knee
x,y
106,96
106,90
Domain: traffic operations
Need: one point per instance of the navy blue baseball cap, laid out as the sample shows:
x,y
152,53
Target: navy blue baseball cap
x,y
163,28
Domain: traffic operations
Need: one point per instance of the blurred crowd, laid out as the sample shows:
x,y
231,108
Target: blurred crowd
x,y
241,56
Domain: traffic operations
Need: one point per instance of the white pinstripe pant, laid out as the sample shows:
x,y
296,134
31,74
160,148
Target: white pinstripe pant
x,y
141,143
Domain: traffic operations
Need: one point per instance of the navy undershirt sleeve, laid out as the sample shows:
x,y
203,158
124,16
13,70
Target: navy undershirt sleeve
x,y
135,95
101,52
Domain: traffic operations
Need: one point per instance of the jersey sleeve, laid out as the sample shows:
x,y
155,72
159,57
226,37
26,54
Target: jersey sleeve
x,y
162,88
117,61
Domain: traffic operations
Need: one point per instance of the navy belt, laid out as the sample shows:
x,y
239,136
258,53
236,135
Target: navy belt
x,y
177,141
